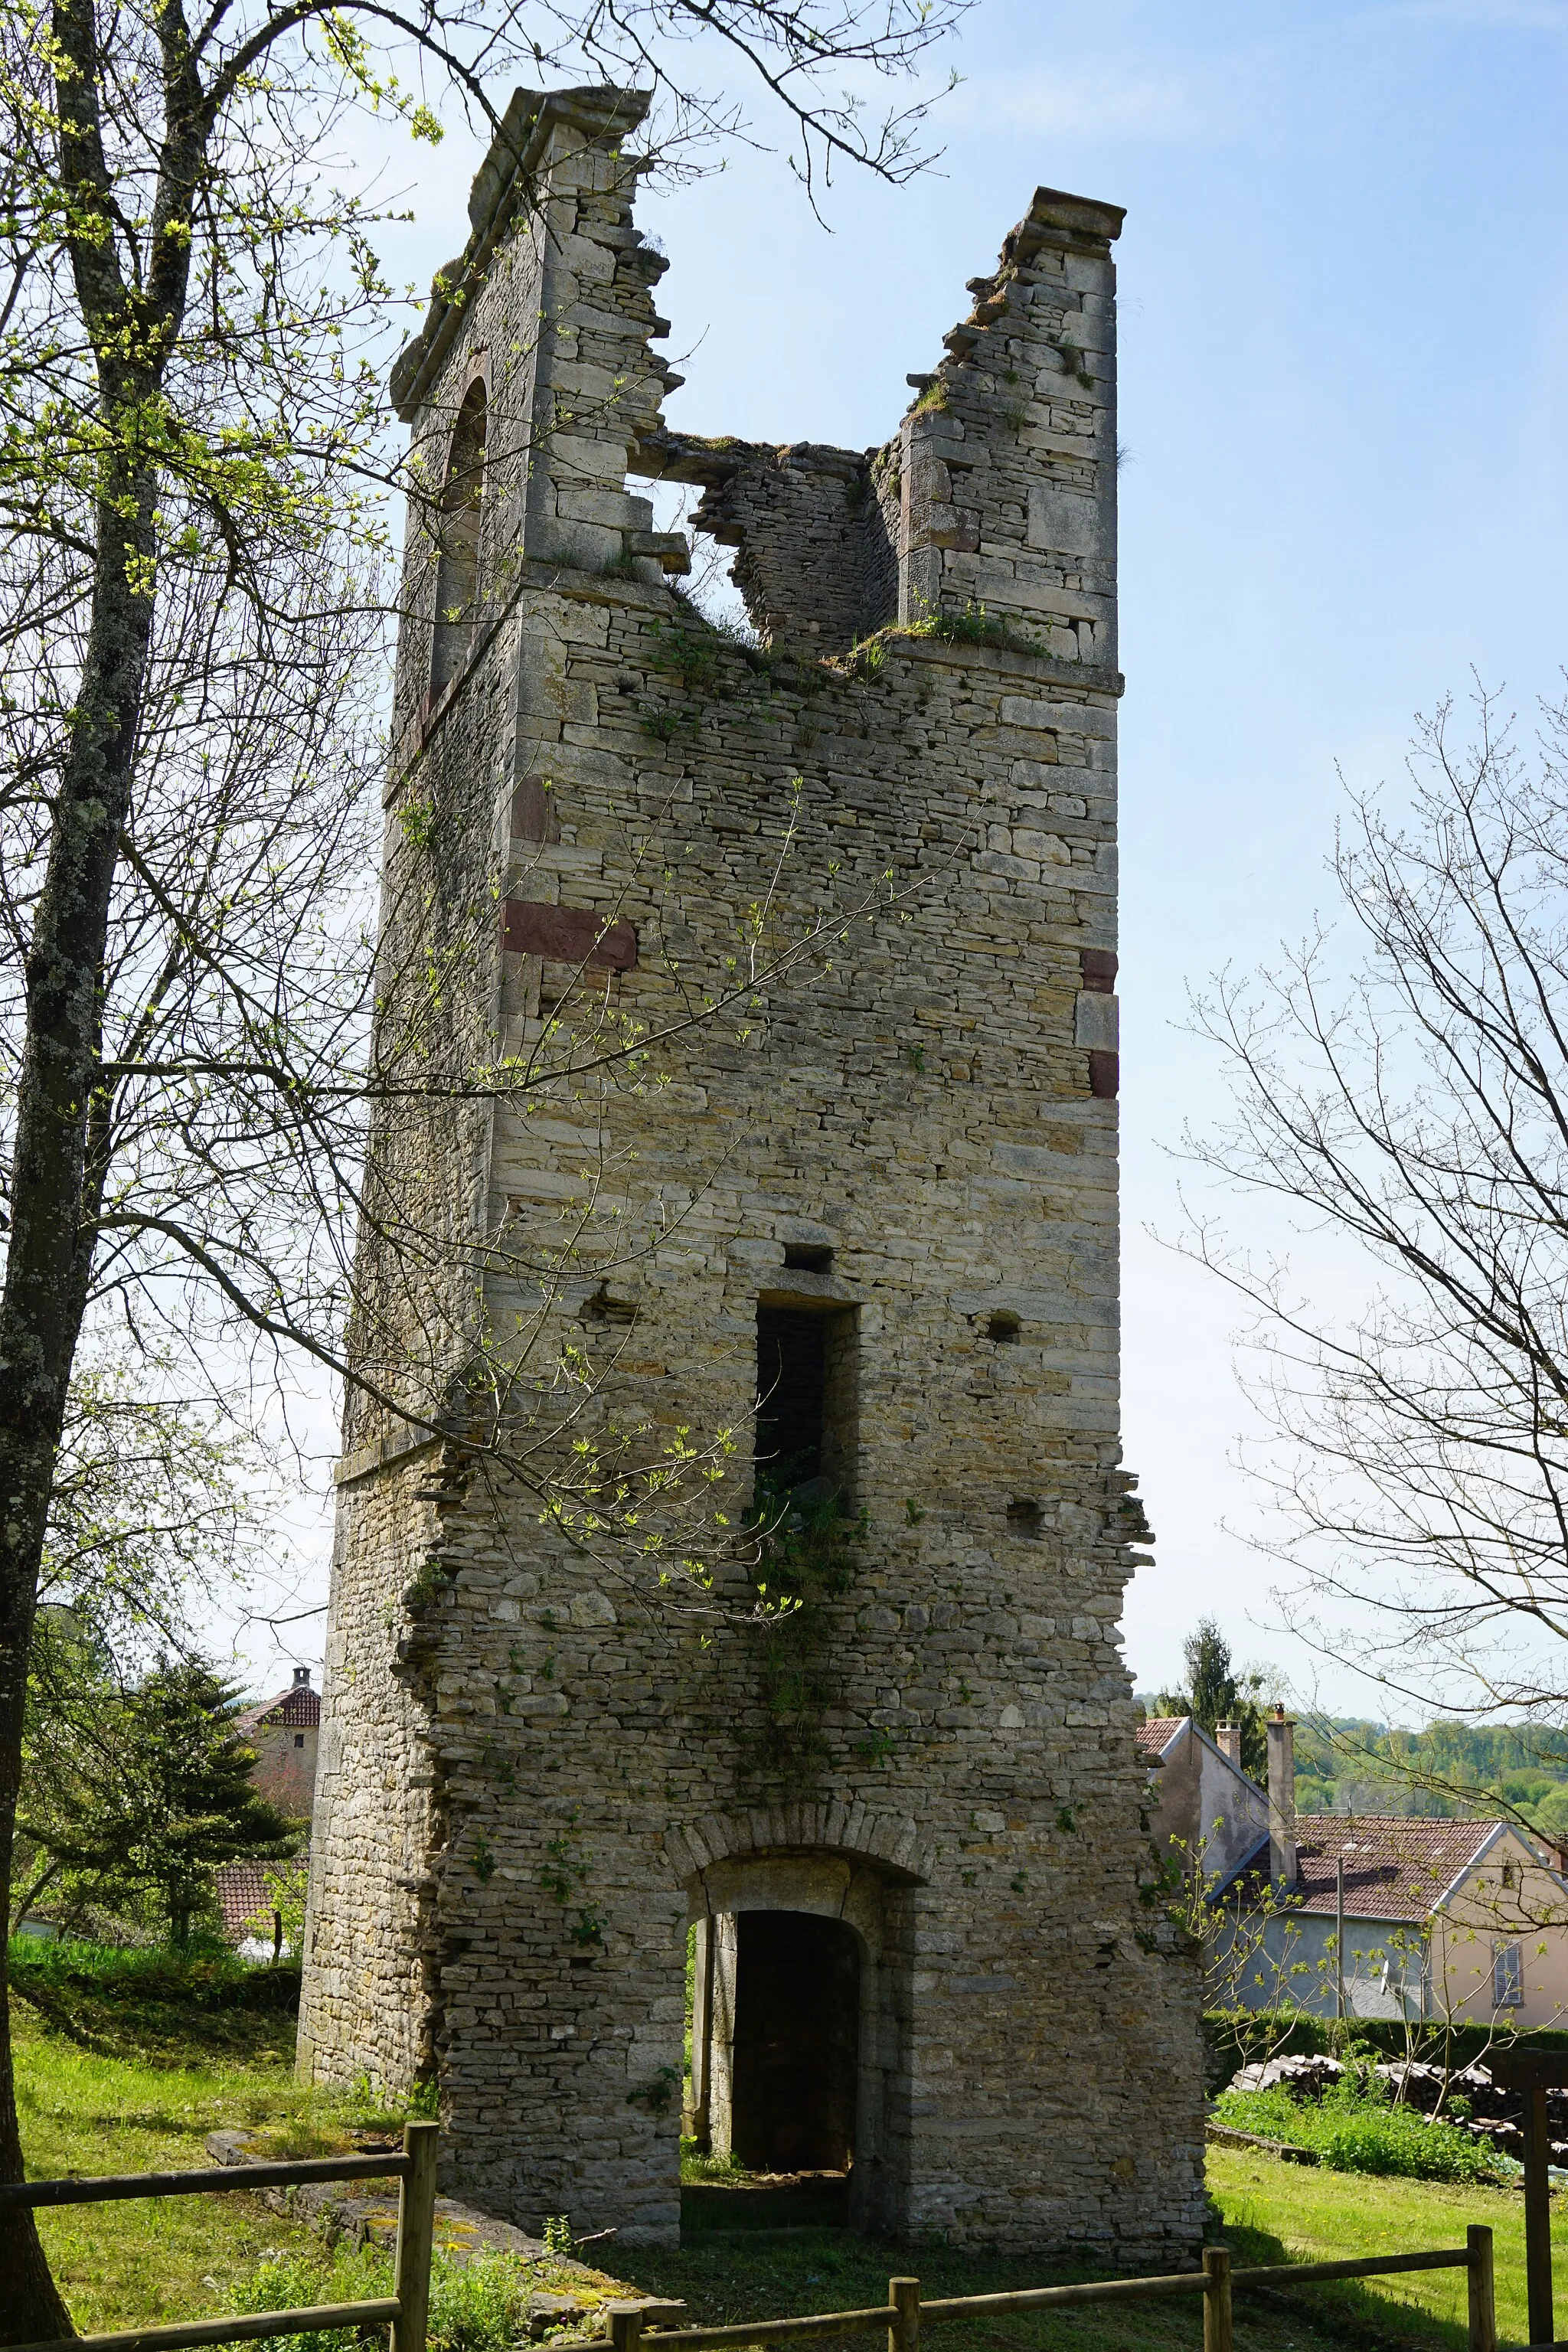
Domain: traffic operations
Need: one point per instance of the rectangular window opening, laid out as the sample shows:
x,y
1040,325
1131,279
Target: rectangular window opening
x,y
808,1257
807,1387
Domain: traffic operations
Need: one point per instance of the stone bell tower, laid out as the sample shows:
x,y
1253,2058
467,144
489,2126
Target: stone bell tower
x,y
778,974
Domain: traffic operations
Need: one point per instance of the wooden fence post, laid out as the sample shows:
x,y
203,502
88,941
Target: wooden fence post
x,y
1217,2299
415,2238
904,2325
1483,2307
626,2327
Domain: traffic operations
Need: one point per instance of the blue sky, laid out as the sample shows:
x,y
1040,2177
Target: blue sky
x,y
1344,394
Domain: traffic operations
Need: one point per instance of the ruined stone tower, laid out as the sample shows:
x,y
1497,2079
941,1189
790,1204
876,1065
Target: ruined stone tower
x,y
768,991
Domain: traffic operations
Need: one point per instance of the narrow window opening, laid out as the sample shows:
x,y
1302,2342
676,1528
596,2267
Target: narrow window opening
x,y
808,1428
457,565
808,1257
1024,1519
601,1308
790,1396
298,1740
1002,1328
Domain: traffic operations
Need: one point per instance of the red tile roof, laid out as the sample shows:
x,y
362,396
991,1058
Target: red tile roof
x,y
1396,1866
243,1898
1156,1734
300,1709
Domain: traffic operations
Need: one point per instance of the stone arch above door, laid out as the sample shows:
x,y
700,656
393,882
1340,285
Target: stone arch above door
x,y
830,1886
809,1832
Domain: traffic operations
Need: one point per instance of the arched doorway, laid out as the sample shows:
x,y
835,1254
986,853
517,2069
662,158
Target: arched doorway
x,y
796,2040
796,2048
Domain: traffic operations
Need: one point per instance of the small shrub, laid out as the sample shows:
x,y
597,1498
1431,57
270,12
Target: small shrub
x,y
481,2306
1355,2129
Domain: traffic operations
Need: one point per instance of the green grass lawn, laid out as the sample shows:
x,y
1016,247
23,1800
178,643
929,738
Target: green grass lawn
x,y
146,2109
106,2092
1271,2211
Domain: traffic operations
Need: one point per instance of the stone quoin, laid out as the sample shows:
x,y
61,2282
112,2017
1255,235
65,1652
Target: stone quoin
x,y
866,1222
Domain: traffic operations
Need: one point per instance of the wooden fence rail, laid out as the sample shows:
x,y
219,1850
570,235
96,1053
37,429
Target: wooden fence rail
x,y
904,2312
902,2315
406,2310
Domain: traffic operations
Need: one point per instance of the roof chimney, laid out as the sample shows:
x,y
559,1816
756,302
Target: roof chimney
x,y
1228,1738
301,1677
1281,1798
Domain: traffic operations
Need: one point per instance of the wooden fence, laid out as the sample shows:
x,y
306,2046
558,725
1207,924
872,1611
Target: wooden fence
x,y
406,2309
905,2313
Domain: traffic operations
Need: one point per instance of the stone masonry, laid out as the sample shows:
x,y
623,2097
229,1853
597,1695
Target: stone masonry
x,y
538,1767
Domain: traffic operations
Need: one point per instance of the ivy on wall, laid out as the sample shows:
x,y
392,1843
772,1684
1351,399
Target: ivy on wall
x,y
805,1560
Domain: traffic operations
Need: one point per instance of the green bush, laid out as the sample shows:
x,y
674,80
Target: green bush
x,y
1355,2128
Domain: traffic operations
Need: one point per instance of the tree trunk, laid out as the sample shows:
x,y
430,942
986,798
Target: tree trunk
x,y
41,1305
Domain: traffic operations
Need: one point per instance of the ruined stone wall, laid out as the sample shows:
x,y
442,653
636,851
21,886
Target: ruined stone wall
x,y
537,1766
816,566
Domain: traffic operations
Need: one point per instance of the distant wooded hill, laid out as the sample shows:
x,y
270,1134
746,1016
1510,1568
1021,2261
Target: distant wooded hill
x,y
1348,1764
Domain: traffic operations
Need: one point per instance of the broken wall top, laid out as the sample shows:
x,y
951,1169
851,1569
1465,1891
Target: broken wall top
x,y
992,508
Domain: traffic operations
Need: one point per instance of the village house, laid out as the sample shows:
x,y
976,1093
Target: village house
x,y
283,1731
1203,1809
1435,1919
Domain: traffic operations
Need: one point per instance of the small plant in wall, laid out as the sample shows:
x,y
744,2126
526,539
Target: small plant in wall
x,y
879,1744
658,2096
563,1875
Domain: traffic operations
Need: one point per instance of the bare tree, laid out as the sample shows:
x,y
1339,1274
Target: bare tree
x,y
1412,1101
192,455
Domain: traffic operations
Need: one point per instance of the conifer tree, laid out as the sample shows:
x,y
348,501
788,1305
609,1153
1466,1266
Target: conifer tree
x,y
161,1795
1215,1694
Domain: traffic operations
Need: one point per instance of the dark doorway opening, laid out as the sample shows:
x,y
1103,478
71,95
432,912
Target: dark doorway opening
x,y
797,2043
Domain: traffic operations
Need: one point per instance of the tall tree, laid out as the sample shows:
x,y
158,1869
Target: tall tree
x,y
156,1794
1409,1100
189,612
1216,1695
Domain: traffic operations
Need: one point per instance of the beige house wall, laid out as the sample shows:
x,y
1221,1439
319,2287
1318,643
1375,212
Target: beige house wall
x,y
1508,1900
285,1767
1206,1815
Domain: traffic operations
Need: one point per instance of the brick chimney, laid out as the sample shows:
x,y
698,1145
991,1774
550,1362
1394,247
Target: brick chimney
x,y
301,1677
1281,1798
1228,1738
